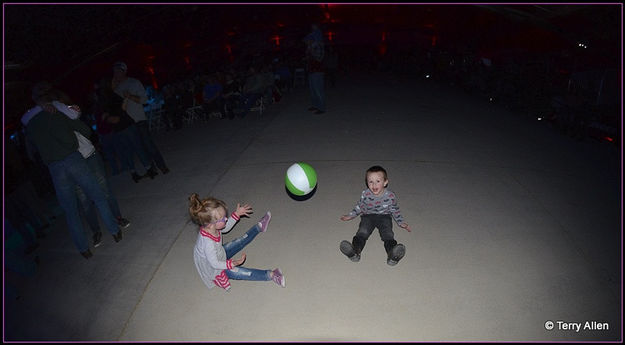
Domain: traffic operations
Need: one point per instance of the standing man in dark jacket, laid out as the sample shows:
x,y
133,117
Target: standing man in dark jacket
x,y
53,136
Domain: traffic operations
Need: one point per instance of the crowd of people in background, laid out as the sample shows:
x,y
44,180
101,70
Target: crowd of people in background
x,y
116,112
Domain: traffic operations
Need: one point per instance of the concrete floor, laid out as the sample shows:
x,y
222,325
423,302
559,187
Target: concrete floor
x,y
513,225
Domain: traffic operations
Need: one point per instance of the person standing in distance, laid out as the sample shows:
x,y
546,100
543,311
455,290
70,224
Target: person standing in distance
x,y
135,96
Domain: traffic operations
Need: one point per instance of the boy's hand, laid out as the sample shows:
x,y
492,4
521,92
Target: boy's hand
x,y
406,226
347,217
244,210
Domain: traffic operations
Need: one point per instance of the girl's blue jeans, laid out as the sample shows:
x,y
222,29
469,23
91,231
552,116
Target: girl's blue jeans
x,y
244,273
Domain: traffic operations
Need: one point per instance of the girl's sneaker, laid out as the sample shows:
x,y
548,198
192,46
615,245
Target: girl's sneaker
x,y
278,278
264,221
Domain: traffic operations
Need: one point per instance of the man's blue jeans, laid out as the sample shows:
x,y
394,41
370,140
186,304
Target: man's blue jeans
x,y
243,273
107,142
317,93
96,165
129,144
66,174
148,145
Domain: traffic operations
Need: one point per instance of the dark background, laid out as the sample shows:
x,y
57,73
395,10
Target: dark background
x,y
75,45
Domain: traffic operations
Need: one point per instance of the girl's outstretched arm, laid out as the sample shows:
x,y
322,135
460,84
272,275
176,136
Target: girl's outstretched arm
x,y
244,210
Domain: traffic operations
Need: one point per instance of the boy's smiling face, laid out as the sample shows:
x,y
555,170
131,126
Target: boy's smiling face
x,y
376,182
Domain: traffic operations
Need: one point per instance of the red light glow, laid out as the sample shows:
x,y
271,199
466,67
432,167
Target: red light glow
x,y
276,38
153,76
382,49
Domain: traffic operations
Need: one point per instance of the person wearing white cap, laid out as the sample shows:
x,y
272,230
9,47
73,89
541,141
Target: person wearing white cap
x,y
135,96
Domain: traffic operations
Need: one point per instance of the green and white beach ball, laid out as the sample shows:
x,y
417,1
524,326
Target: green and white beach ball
x,y
300,179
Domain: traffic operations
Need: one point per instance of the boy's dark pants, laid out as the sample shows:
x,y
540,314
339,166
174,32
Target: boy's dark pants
x,y
368,222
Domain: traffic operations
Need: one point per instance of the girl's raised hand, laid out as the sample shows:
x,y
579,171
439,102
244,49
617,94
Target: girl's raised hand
x,y
244,210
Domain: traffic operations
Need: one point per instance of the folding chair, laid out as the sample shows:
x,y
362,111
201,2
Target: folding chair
x,y
154,118
299,77
192,114
259,105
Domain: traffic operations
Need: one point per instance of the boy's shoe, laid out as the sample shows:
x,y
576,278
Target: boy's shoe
x,y
97,239
396,254
118,236
348,250
87,254
123,222
264,221
278,278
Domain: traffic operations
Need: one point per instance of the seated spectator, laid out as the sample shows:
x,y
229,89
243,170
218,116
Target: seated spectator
x,y
173,113
252,90
285,79
212,96
186,91
268,83
231,95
